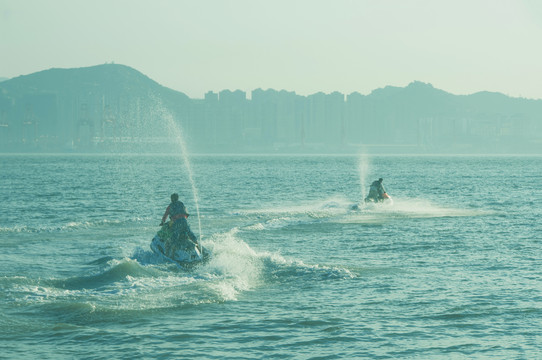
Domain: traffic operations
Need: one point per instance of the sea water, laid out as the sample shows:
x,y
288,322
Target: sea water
x,y
452,269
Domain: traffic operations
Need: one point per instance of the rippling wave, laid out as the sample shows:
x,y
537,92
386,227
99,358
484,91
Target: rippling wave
x,y
70,226
299,267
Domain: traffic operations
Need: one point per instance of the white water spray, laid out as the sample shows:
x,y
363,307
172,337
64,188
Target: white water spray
x,y
186,159
363,168
176,131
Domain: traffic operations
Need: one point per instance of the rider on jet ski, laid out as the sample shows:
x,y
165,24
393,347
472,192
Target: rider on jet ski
x,y
180,230
377,193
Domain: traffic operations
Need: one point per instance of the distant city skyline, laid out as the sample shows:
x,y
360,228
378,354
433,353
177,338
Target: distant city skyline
x,y
304,46
112,107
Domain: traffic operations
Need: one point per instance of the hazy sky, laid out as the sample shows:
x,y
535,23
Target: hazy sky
x,y
306,46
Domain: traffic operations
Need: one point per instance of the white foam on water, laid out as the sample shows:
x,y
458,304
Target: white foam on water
x,y
422,208
255,227
233,264
319,208
406,208
277,217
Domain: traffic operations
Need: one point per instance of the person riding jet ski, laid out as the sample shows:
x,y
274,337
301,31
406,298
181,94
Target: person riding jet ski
x,y
181,233
377,192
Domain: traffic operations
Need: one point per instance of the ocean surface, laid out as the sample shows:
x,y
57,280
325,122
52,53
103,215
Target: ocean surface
x,y
451,270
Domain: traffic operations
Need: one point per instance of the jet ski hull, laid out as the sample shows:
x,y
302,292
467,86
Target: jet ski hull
x,y
186,254
386,199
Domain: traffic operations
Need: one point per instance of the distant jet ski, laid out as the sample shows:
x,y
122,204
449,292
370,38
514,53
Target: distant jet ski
x,y
183,252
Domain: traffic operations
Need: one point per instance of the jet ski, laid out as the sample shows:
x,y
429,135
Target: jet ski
x,y
184,252
384,198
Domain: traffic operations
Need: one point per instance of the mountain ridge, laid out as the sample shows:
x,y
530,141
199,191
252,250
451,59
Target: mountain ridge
x,y
115,77
100,106
110,69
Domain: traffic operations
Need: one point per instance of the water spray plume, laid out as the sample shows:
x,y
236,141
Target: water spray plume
x,y
175,130
363,168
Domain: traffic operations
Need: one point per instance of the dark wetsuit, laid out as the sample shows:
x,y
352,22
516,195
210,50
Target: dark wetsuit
x,y
178,214
376,191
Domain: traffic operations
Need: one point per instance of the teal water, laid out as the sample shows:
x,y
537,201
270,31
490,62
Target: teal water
x,y
450,270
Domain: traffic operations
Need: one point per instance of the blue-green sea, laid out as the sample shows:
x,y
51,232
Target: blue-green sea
x,y
451,270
